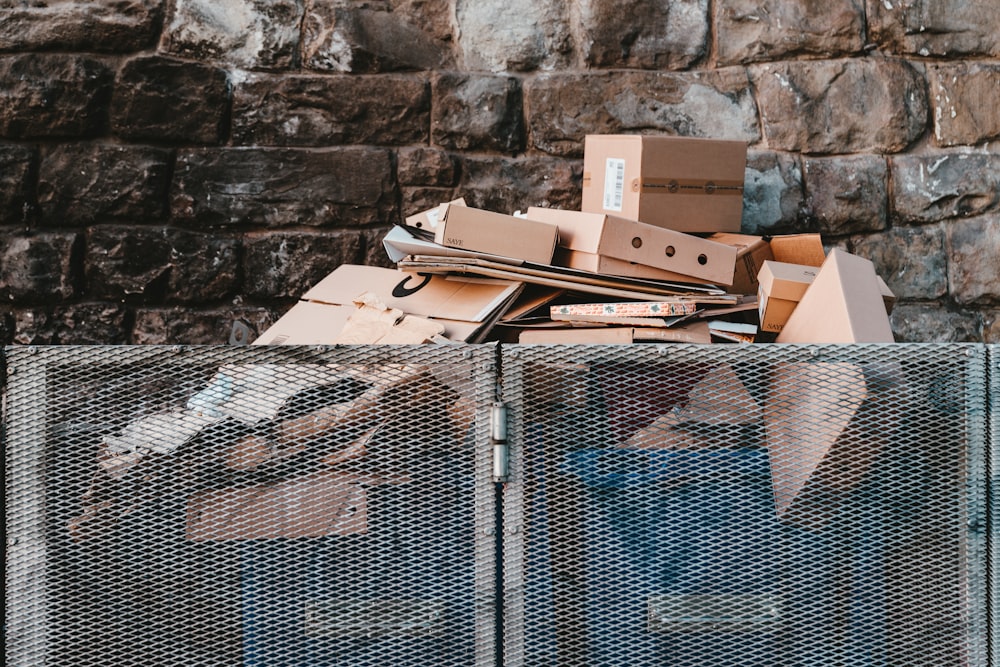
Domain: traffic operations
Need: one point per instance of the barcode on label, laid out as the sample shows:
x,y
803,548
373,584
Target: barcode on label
x,y
614,184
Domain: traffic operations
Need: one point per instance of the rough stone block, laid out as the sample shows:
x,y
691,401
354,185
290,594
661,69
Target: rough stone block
x,y
277,187
17,164
507,185
79,25
663,34
7,327
38,268
417,199
76,324
514,36
991,326
374,250
755,31
564,108
253,34
965,98
186,326
847,195
162,99
478,112
83,183
772,193
280,265
928,188
974,259
804,105
930,323
339,37
157,265
935,27
911,260
425,166
331,110
53,95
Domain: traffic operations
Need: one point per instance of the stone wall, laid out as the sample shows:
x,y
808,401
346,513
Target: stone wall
x,y
168,166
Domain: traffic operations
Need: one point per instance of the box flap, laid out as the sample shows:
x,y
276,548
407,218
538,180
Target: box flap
x,y
806,249
843,305
786,281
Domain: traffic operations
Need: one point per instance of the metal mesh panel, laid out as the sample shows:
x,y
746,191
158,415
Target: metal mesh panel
x,y
746,505
250,506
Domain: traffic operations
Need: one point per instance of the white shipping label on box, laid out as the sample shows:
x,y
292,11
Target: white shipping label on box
x,y
614,184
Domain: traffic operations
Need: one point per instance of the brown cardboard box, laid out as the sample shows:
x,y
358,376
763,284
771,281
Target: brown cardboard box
x,y
842,305
496,233
806,249
781,288
751,253
464,306
680,183
693,258
428,220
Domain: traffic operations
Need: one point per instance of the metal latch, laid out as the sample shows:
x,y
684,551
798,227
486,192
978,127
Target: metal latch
x,y
498,436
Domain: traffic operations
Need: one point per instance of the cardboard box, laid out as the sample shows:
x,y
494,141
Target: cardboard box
x,y
428,220
632,241
842,305
781,288
680,183
783,285
465,306
496,233
751,253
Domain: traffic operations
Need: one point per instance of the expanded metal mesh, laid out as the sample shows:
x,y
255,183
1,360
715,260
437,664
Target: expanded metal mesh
x,y
746,506
250,506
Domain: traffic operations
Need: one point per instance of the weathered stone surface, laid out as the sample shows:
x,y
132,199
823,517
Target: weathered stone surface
x,y
991,326
841,106
847,195
753,31
255,34
280,265
7,327
417,199
374,250
82,183
508,185
663,34
162,99
77,324
425,166
156,265
340,37
930,323
515,36
53,95
185,326
331,110
974,260
479,112
928,188
38,268
965,98
935,27
16,190
911,260
276,187
772,194
564,108
79,25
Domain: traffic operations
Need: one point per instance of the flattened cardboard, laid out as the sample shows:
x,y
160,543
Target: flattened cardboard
x,y
505,235
463,305
819,445
324,503
681,183
633,241
695,332
843,305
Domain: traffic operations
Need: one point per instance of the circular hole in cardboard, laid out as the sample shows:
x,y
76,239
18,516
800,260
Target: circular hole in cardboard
x,y
669,251
703,260
636,242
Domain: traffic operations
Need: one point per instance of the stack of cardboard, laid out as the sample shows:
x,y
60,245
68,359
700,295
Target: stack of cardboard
x,y
655,254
